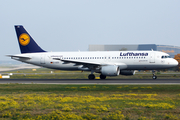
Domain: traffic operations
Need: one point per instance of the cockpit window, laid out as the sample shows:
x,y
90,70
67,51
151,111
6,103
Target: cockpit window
x,y
163,57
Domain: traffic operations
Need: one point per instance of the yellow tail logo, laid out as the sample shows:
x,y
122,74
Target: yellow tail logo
x,y
24,39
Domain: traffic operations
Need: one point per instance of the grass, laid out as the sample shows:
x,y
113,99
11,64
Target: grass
x,y
107,102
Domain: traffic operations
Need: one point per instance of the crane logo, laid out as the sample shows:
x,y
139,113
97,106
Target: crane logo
x,y
24,39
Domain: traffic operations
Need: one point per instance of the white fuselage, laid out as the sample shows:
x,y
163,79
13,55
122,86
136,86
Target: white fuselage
x,y
126,60
106,63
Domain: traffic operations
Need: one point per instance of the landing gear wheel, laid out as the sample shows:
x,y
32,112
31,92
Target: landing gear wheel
x,y
102,76
154,77
91,77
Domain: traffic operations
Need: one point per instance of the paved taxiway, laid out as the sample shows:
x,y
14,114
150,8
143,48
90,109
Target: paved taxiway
x,y
85,81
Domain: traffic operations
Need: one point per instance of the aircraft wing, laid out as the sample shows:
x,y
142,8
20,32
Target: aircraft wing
x,y
84,63
91,65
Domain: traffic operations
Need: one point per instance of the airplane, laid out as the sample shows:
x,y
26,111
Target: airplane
x,y
107,63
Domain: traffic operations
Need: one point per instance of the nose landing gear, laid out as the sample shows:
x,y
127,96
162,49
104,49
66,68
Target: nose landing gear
x,y
154,75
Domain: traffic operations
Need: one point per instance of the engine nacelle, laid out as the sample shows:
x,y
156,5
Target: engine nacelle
x,y
127,72
111,70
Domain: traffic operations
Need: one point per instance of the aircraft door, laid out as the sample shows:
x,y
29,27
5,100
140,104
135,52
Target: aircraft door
x,y
42,59
152,57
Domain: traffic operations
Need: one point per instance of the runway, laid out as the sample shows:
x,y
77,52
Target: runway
x,y
85,81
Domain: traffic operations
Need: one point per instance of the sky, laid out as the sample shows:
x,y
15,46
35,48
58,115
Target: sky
x,y
72,25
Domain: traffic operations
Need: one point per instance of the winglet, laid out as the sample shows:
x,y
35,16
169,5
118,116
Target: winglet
x,y
26,42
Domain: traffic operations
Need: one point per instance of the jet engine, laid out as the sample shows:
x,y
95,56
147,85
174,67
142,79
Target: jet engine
x,y
127,72
111,70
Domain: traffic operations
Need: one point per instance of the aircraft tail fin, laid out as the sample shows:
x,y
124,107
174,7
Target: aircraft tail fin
x,y
26,42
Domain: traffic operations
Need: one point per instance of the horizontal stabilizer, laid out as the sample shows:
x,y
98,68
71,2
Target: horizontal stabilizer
x,y
20,57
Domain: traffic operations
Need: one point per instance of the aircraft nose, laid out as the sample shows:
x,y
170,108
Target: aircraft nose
x,y
174,62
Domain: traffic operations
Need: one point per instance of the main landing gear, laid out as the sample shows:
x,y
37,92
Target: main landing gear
x,y
154,75
102,76
92,77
